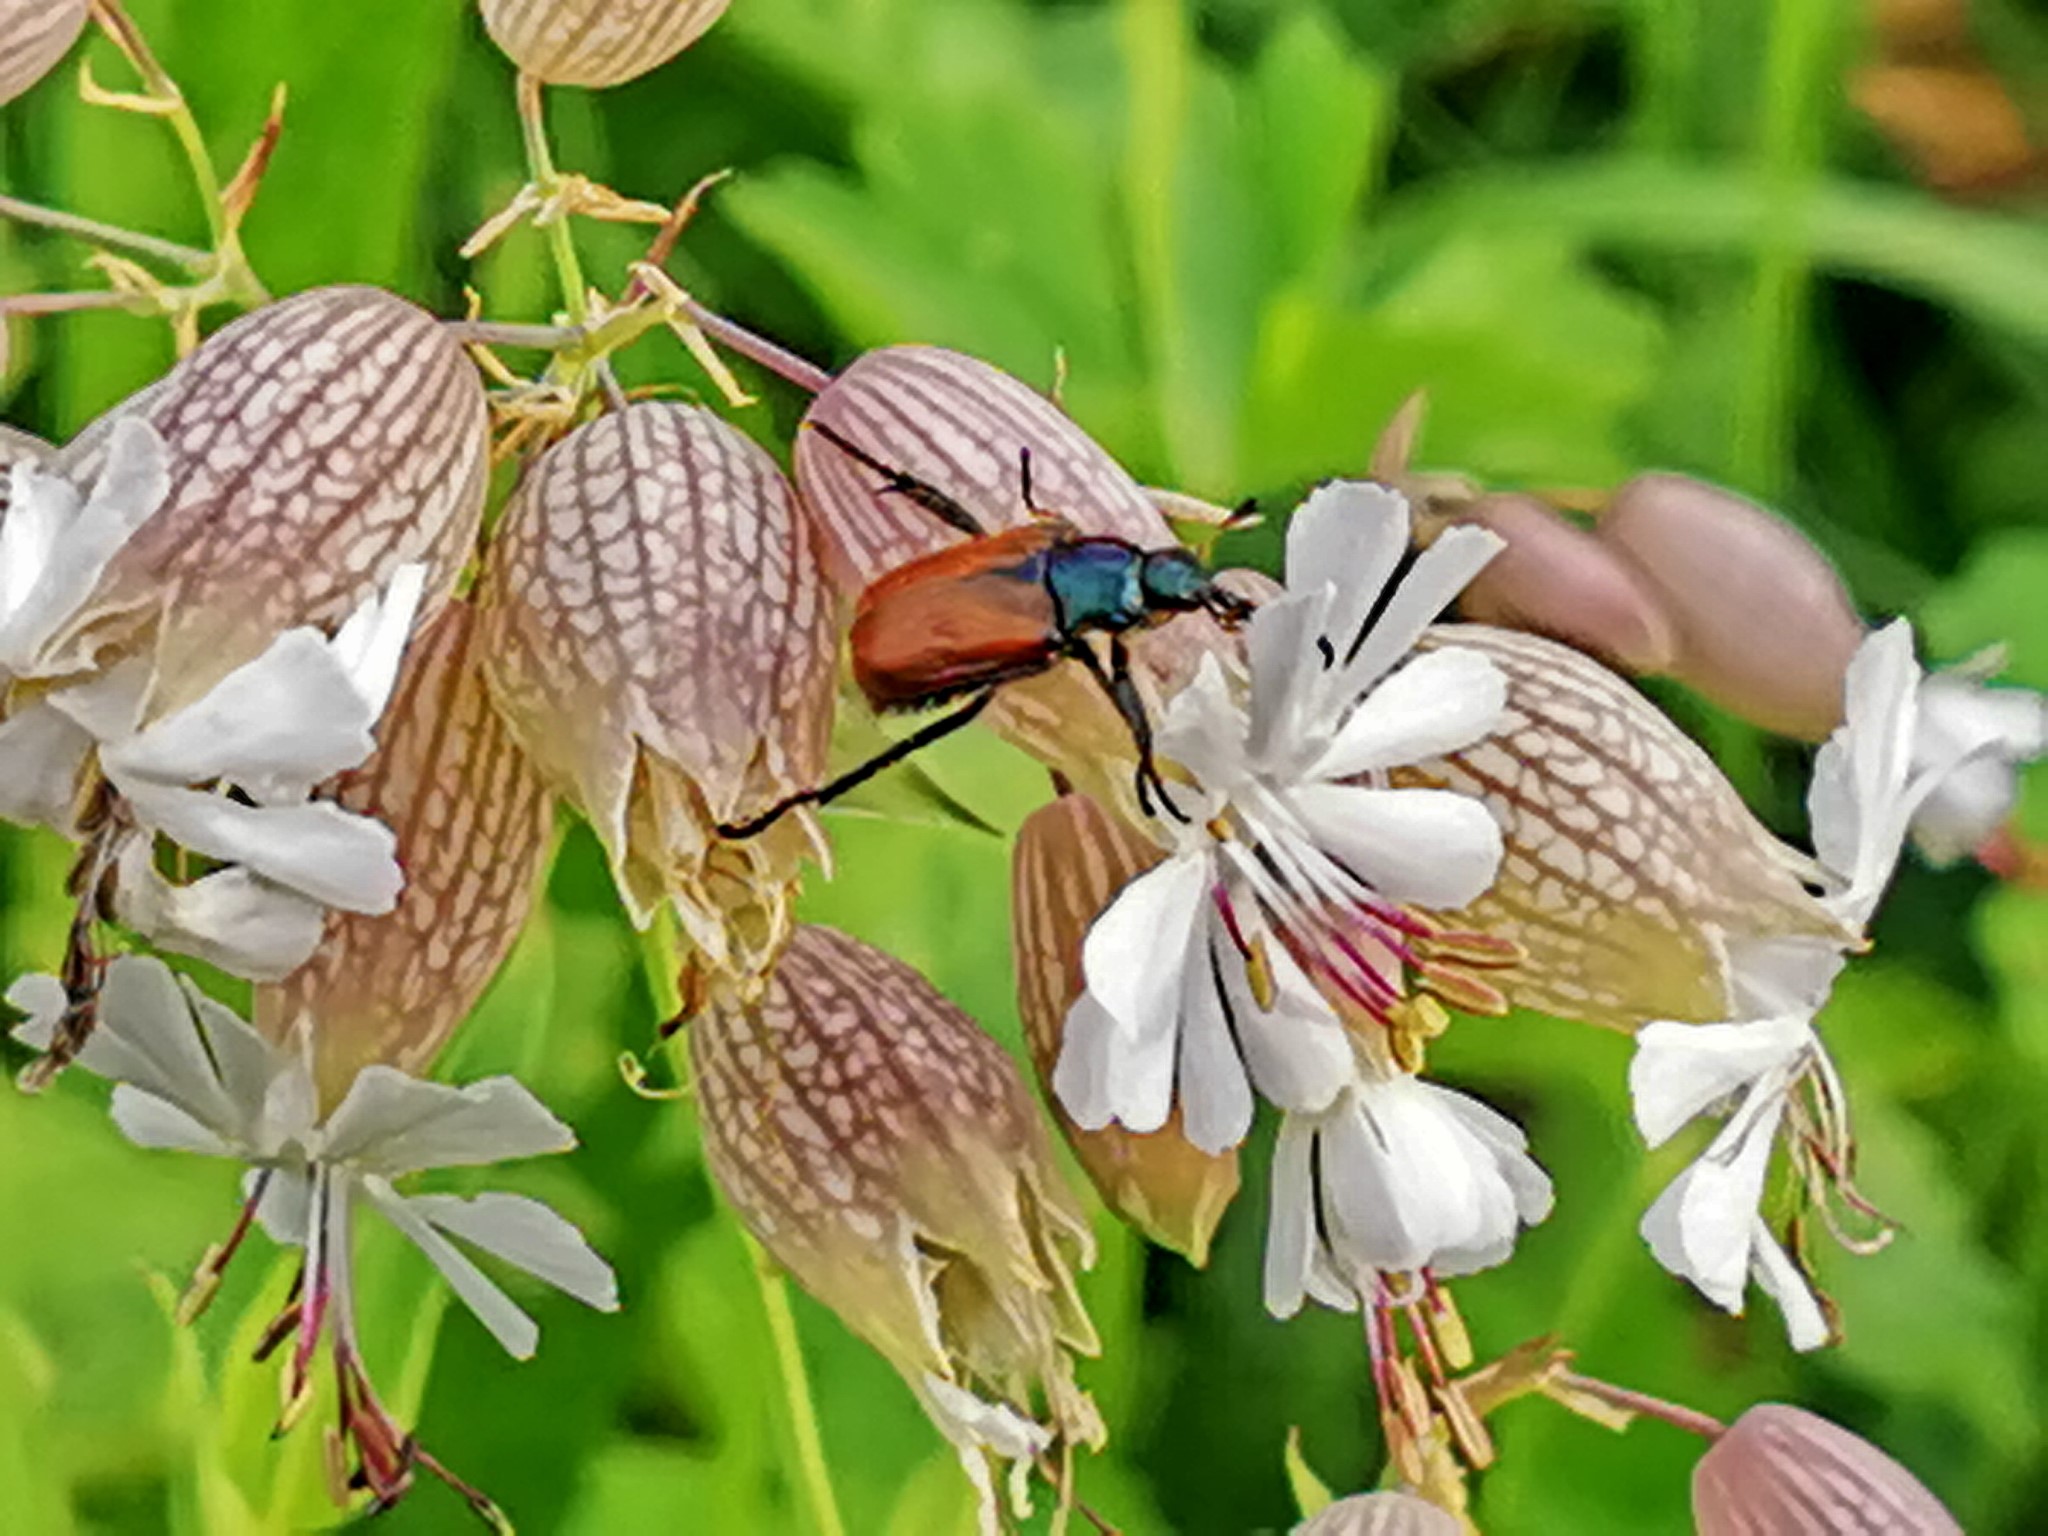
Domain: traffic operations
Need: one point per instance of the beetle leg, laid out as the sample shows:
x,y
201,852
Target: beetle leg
x,y
1122,688
901,482
853,778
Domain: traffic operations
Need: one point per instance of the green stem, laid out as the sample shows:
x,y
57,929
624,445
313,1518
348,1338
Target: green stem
x,y
540,167
189,257
796,1385
156,80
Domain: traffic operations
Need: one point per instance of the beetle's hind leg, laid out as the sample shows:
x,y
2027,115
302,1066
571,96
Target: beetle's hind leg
x,y
901,482
1122,688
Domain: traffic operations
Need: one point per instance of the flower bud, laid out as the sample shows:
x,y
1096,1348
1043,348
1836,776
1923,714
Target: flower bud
x,y
1381,1514
887,1153
1763,624
315,446
1072,857
965,429
34,36
472,819
1792,1473
1556,579
659,636
1630,859
596,42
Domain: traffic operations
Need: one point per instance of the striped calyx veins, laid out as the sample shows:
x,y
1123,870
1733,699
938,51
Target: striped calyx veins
x,y
596,42
658,633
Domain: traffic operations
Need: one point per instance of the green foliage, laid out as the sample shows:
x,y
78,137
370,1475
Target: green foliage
x,y
1604,237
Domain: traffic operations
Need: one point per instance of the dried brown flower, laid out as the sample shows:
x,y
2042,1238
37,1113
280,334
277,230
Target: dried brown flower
x,y
888,1154
1071,858
315,446
472,819
659,636
596,42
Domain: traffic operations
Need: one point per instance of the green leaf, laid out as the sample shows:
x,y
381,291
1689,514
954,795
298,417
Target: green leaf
x,y
1311,1494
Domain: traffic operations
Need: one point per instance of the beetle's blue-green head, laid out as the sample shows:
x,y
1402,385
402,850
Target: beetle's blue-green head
x,y
1174,581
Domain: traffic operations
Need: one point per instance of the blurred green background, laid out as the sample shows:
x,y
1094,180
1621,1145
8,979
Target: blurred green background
x,y
1722,236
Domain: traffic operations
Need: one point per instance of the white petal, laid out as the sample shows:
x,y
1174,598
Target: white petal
x,y
40,507
1805,1324
1439,574
286,1209
1963,808
1351,534
1682,1070
41,752
1858,802
391,1124
1203,729
504,1317
1509,1147
530,1236
105,707
1379,1213
1702,1226
1768,977
41,997
230,918
67,561
1215,1098
1081,1076
1297,1052
1291,1221
291,718
1135,958
1439,702
1433,847
329,855
371,644
1287,672
160,1125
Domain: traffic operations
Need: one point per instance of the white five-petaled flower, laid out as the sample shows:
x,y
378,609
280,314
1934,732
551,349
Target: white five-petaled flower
x,y
1770,1068
228,778
1397,1178
1207,974
191,1075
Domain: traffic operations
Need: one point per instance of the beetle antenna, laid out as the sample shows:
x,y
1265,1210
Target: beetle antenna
x,y
1024,471
1230,610
901,482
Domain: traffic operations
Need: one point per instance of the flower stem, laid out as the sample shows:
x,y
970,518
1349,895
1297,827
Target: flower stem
x,y
777,359
1689,1419
796,1385
547,181
189,257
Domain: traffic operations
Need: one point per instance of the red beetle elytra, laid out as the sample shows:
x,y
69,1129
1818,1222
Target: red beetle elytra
x,y
968,618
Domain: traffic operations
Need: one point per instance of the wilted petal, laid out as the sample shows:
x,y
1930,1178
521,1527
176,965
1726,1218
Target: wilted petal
x,y
596,42
41,752
1381,1514
392,1124
527,1235
34,36
658,634
316,849
1556,579
291,715
232,918
887,1153
316,446
1763,623
472,819
1630,861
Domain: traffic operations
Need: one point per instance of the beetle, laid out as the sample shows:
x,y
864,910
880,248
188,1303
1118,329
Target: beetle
x,y
966,619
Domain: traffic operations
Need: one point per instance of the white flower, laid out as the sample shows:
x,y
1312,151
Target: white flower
x,y
54,546
192,1076
228,778
1770,1066
1398,1177
1204,973
1983,734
